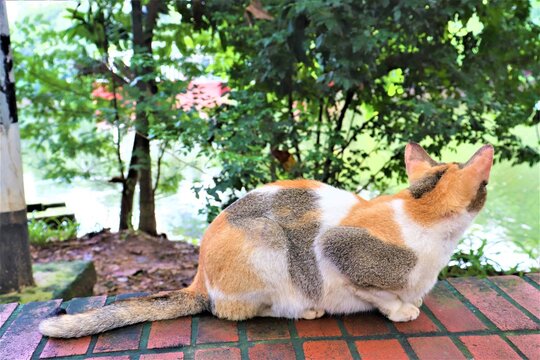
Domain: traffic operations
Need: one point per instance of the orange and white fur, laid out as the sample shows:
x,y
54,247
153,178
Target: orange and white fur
x,y
300,249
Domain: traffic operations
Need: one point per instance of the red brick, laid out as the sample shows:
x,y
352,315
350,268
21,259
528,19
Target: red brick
x,y
528,344
489,347
451,312
163,356
218,354
534,277
79,346
119,357
435,348
126,338
212,329
319,327
267,329
503,314
271,352
522,292
22,336
170,333
65,347
5,311
327,350
422,324
366,324
381,349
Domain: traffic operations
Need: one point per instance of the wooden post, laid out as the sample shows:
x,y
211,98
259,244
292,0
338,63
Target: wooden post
x,y
15,261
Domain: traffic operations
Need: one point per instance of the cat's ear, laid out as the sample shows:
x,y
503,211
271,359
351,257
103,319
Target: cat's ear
x,y
481,162
417,161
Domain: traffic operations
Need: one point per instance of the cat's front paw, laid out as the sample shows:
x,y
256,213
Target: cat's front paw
x,y
418,302
406,312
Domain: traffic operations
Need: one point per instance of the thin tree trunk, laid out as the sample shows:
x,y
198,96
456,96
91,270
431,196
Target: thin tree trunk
x,y
15,261
147,215
128,190
129,182
142,45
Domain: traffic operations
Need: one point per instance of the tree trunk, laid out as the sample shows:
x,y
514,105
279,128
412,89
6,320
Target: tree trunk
x,y
142,45
128,190
147,217
15,261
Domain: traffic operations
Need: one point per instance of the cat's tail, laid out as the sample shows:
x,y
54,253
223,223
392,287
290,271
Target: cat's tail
x,y
125,312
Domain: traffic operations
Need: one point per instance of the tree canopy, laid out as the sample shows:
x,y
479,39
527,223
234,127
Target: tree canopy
x,y
330,90
324,86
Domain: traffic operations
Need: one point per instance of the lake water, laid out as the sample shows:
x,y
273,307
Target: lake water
x,y
510,221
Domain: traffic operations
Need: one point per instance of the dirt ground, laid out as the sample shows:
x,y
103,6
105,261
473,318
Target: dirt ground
x,y
127,262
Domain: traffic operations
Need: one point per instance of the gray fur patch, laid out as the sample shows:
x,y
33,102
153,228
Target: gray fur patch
x,y
296,211
426,184
287,219
479,200
366,260
265,231
252,213
253,205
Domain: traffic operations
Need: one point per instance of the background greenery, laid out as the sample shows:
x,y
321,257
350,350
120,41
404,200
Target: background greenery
x,y
330,90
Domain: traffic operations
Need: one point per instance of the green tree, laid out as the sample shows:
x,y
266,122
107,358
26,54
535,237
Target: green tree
x,y
320,89
109,69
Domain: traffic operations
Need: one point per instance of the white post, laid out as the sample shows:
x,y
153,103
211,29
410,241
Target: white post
x,y
15,261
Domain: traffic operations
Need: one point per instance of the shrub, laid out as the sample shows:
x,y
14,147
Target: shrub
x,y
41,232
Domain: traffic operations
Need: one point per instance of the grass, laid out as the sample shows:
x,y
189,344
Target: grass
x,y
42,232
474,262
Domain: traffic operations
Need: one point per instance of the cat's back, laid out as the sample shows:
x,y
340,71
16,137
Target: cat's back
x,y
295,204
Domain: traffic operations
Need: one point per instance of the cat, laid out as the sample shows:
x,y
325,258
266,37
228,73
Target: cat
x,y
301,248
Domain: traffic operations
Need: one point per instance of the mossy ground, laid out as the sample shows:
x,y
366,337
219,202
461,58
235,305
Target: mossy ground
x,y
63,279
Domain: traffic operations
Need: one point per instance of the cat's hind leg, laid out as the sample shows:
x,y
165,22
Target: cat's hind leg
x,y
308,314
389,304
236,310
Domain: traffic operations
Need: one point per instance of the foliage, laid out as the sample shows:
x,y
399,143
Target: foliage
x,y
59,118
81,95
474,262
332,90
66,81
41,232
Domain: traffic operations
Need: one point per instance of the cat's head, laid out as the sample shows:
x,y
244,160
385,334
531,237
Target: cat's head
x,y
449,188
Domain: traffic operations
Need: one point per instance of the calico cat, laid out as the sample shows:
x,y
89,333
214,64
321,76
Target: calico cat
x,y
300,249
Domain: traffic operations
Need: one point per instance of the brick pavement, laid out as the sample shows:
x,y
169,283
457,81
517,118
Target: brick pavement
x,y
494,318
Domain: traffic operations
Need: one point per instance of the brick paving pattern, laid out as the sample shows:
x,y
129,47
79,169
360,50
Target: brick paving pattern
x,y
494,318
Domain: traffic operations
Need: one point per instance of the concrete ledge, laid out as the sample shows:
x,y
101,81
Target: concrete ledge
x,y
57,280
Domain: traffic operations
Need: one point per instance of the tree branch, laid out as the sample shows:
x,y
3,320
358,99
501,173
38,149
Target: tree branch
x,y
160,158
100,67
118,132
319,123
294,132
373,176
332,140
353,137
152,15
